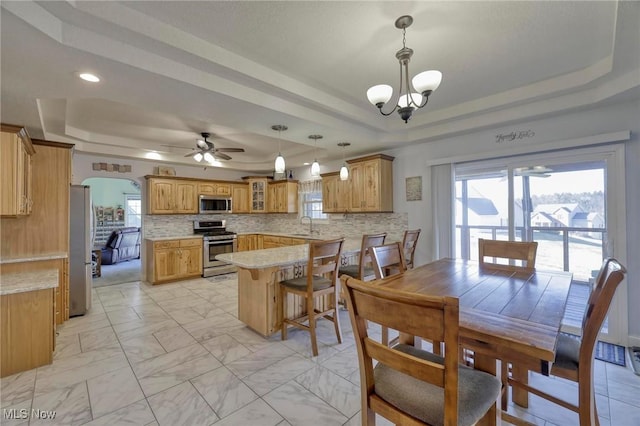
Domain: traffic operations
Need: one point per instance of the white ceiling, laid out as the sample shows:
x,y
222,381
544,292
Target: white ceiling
x,y
173,69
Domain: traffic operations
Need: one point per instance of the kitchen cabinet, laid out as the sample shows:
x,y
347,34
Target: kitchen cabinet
x,y
16,149
283,197
258,193
240,198
274,241
171,196
371,184
173,260
214,188
335,193
248,242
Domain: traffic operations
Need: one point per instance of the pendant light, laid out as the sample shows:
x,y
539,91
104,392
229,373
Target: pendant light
x,y
344,171
315,166
279,164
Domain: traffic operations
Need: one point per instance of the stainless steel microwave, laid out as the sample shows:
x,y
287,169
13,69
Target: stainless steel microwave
x,y
211,204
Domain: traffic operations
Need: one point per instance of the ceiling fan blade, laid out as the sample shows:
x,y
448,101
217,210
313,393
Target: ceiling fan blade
x,y
230,150
191,154
221,156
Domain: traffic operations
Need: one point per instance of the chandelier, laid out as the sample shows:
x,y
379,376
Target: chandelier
x,y
279,163
411,95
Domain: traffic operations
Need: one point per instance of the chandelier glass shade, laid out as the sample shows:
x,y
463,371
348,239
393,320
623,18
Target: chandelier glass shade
x,y
208,157
279,164
198,157
412,94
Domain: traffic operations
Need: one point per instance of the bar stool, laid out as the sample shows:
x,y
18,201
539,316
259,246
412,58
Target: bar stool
x,y
321,280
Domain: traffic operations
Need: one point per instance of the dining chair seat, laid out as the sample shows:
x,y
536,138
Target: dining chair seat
x,y
354,271
319,283
477,391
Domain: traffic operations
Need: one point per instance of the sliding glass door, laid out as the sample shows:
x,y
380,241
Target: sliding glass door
x,y
560,200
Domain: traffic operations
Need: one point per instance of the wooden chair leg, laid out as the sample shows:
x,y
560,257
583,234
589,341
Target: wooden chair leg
x,y
312,326
504,378
336,318
283,296
519,395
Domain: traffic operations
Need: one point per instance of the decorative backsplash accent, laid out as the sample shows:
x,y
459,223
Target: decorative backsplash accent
x,y
350,225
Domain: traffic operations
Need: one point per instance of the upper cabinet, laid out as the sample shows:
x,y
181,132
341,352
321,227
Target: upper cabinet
x,y
257,193
171,196
335,193
369,187
240,198
282,196
214,188
15,172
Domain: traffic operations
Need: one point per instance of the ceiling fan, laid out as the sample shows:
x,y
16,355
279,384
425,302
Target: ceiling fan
x,y
206,150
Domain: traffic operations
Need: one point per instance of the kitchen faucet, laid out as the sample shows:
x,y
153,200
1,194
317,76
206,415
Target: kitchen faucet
x,y
311,230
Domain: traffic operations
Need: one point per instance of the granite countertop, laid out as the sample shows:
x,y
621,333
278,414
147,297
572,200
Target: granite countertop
x,y
21,282
280,256
176,237
35,258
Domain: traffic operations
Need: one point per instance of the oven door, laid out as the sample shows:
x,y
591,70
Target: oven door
x,y
214,248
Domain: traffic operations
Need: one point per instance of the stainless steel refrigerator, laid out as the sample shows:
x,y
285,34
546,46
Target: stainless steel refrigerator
x,y
80,272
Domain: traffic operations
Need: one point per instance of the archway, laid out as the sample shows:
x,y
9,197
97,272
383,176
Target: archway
x,y
116,207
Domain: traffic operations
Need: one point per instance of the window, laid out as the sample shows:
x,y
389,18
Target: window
x,y
310,196
133,210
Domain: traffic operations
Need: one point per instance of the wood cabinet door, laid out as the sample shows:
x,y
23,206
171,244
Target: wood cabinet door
x,y
357,183
166,263
186,198
190,261
240,198
258,194
330,193
15,178
243,242
272,198
371,185
161,196
270,241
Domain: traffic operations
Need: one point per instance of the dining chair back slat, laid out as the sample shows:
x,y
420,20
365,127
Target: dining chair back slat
x,y
409,244
387,258
523,251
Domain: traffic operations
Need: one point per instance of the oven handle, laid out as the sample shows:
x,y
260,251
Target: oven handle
x,y
218,242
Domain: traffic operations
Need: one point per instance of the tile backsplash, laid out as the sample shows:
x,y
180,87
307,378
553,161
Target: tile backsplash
x,y
347,225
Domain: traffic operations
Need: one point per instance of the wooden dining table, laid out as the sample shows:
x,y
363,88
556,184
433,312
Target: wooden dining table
x,y
511,316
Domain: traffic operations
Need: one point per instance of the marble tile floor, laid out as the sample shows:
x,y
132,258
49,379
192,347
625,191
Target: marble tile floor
x,y
176,354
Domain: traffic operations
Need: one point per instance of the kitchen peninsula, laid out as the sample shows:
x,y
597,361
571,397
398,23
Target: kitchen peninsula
x,y
260,271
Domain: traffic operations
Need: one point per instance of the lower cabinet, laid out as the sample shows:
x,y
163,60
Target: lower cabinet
x,y
258,241
173,260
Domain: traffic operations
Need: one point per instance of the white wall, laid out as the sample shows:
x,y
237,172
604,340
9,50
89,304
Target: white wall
x,y
110,192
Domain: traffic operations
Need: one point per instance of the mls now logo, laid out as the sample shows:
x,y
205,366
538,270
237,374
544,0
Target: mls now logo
x,y
23,413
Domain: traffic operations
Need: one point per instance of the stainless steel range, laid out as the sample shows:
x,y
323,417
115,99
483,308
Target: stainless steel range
x,y
216,240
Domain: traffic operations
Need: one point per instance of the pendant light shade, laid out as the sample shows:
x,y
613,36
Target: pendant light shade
x,y
279,164
344,170
315,166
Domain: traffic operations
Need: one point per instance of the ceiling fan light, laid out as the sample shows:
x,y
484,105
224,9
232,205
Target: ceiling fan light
x,y
344,172
198,157
280,165
404,100
427,81
380,94
315,168
208,157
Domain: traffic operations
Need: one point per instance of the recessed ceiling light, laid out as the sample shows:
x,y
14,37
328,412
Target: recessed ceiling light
x,y
153,156
306,164
89,77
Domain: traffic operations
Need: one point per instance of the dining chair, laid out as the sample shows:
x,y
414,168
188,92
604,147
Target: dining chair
x,y
363,270
321,279
385,259
409,243
574,355
409,386
523,251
